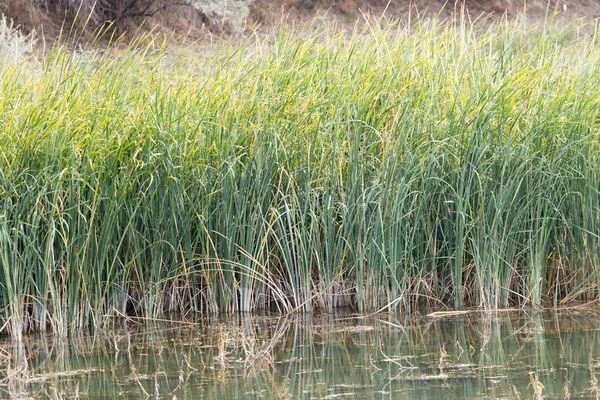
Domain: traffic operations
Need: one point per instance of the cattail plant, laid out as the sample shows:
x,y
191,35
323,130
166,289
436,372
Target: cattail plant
x,y
438,164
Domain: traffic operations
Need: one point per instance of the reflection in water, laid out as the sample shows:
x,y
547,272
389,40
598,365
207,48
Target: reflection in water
x,y
520,355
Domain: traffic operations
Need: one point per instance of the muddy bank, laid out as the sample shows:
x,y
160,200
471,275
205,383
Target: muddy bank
x,y
202,17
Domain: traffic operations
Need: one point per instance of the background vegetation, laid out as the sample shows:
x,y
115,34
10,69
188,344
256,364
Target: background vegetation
x,y
438,164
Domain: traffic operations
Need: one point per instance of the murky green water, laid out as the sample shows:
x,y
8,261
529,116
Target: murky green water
x,y
512,355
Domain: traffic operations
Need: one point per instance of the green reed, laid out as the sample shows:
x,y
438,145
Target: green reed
x,y
393,166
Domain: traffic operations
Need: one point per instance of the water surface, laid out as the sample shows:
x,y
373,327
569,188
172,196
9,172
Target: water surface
x,y
510,355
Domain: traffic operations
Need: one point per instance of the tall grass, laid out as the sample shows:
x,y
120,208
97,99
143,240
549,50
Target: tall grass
x,y
399,166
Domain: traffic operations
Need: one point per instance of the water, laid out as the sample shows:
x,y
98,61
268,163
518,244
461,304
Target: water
x,y
514,355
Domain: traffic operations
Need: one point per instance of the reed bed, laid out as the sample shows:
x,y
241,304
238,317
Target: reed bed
x,y
433,164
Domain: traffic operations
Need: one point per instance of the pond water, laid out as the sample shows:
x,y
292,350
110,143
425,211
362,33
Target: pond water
x,y
508,355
